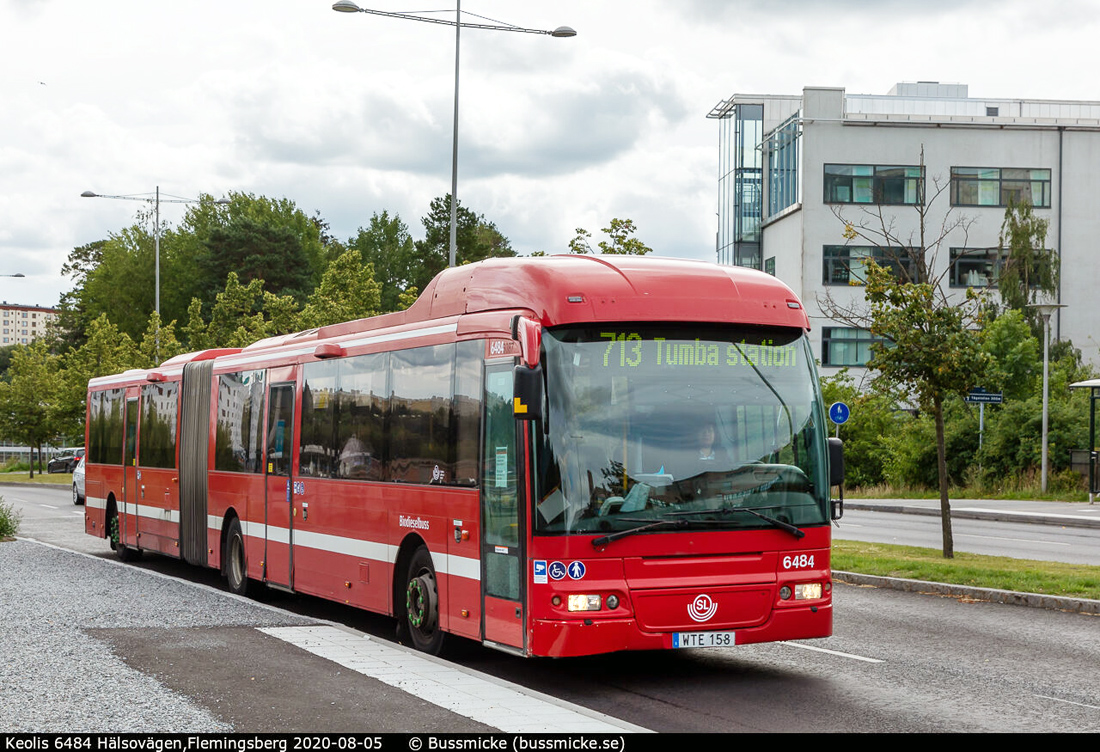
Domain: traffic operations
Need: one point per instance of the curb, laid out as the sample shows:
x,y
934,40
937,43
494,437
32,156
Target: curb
x,y
970,514
1007,597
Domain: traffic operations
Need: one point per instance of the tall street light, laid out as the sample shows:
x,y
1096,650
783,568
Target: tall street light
x,y
1045,310
155,200
346,6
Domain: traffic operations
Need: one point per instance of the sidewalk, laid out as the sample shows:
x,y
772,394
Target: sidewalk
x,y
1063,513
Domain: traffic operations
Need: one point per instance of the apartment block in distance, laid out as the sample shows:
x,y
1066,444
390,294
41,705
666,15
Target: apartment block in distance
x,y
21,324
793,168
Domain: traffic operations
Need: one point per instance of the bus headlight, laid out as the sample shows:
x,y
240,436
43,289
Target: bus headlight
x,y
802,592
807,591
584,603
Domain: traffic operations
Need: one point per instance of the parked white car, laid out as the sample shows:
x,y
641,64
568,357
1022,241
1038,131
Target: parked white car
x,y
78,482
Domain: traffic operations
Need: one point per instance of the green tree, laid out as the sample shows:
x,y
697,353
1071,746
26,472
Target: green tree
x,y
73,317
122,284
476,238
874,415
28,400
348,291
236,319
1028,270
621,241
928,344
387,245
256,250
931,350
158,343
106,351
1015,356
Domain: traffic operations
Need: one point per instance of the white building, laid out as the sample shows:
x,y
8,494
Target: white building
x,y
790,164
20,324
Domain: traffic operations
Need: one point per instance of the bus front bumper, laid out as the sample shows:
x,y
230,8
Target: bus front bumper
x,y
572,638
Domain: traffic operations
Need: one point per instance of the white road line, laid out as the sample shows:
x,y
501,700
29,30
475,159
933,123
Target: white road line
x,y
503,705
1012,540
49,506
833,652
1070,702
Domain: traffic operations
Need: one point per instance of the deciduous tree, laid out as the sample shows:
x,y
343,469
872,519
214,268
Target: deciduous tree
x,y
621,240
928,340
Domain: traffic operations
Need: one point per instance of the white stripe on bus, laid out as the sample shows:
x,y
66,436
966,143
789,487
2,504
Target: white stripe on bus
x,y
455,566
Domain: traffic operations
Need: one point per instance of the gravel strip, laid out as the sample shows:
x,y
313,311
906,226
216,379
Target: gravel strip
x,y
54,677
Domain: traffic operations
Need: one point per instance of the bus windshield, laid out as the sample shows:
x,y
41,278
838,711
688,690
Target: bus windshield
x,y
659,428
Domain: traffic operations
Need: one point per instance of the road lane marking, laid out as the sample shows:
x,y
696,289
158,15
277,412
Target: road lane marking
x,y
498,703
1011,540
49,506
1069,702
834,652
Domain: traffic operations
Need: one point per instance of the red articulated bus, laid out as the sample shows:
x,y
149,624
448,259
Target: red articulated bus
x,y
556,456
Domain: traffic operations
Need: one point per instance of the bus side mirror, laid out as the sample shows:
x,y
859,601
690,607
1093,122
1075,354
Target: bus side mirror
x,y
836,462
527,392
836,474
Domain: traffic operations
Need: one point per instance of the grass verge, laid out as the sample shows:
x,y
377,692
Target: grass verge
x,y
46,479
973,570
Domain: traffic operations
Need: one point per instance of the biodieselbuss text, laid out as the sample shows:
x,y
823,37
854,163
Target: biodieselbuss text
x,y
554,456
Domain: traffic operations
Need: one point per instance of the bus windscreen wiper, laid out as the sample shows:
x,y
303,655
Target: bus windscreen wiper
x,y
786,526
603,540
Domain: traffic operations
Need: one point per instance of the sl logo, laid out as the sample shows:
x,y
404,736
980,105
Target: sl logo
x,y
702,608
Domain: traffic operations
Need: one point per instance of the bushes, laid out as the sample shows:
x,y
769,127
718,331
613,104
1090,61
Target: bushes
x,y
886,445
9,520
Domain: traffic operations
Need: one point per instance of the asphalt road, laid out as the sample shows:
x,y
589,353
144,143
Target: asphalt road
x,y
1018,540
898,662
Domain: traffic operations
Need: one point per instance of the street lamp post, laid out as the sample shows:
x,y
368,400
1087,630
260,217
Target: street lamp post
x,y
346,6
1045,310
155,200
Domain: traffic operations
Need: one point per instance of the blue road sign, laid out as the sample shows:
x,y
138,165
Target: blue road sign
x,y
839,412
981,396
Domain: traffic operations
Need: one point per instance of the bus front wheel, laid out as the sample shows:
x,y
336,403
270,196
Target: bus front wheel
x,y
422,604
236,566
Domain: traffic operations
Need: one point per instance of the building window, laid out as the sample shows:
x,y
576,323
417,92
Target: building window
x,y
740,186
994,186
769,265
992,111
975,267
846,346
873,184
847,264
781,147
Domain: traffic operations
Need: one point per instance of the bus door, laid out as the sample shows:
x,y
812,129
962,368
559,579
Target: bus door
x,y
502,519
128,513
278,484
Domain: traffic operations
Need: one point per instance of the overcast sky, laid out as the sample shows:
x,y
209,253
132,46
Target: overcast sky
x,y
350,114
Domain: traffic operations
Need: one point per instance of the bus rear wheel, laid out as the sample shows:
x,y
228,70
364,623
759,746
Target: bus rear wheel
x,y
236,565
421,617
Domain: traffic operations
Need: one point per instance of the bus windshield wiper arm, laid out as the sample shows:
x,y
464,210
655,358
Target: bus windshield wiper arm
x,y
603,540
786,526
